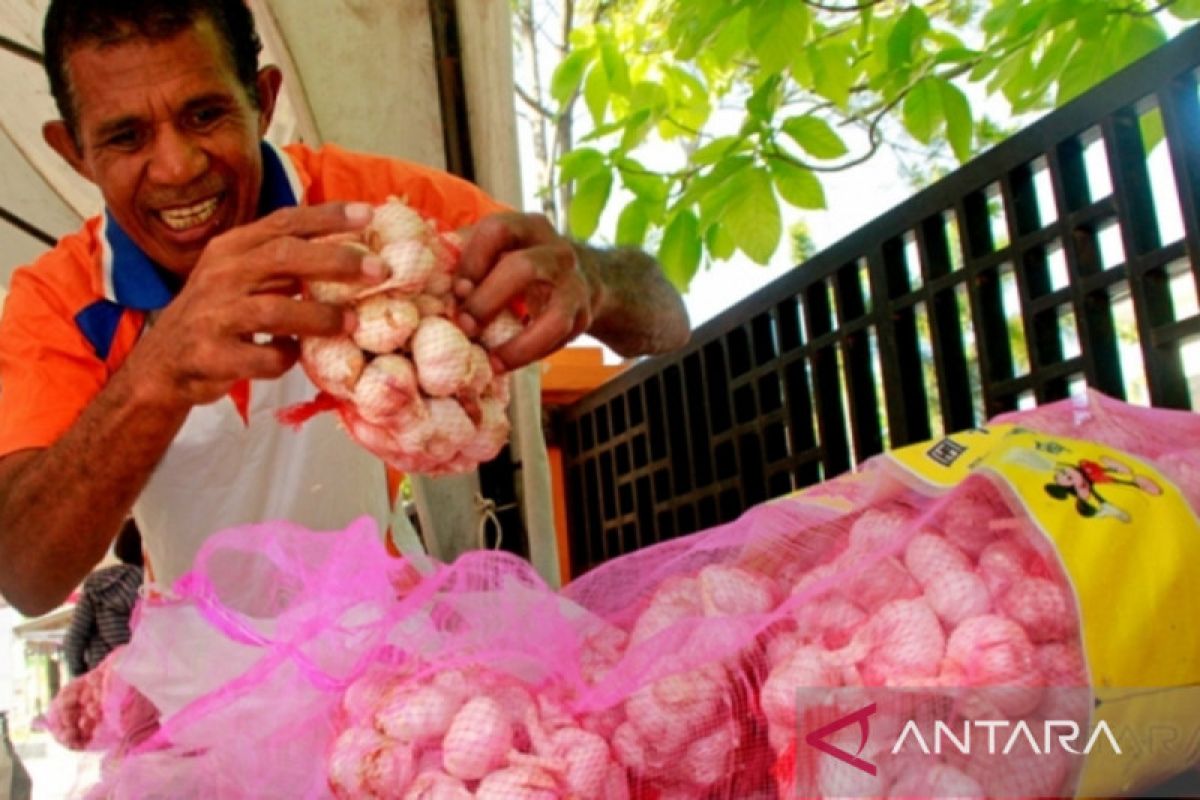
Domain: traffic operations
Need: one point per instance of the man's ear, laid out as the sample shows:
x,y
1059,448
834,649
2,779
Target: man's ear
x,y
270,78
58,136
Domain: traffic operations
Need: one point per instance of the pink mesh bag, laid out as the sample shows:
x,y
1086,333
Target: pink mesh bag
x,y
295,664
99,711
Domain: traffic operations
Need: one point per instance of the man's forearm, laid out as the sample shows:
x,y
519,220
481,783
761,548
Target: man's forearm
x,y
61,507
636,309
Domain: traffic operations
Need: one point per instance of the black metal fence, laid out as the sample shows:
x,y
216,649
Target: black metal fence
x,y
1065,256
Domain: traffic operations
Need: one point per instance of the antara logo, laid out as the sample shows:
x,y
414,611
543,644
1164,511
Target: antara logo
x,y
818,737
1061,734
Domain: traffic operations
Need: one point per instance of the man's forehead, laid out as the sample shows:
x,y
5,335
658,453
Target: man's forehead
x,y
113,72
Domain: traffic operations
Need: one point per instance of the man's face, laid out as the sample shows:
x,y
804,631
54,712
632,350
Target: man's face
x,y
171,138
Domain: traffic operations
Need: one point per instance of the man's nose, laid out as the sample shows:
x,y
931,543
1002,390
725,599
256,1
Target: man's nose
x,y
176,159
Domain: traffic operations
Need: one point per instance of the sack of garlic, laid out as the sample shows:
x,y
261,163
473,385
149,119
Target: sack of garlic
x,y
409,384
1010,586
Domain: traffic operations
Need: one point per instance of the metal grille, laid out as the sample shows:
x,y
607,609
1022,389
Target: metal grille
x,y
1065,257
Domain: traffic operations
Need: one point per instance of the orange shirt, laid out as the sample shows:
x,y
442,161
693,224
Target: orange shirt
x,y
73,315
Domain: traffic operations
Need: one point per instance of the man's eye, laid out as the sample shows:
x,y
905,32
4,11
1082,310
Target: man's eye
x,y
204,117
123,140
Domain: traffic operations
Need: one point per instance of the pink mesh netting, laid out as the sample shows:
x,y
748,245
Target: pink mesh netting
x,y
296,664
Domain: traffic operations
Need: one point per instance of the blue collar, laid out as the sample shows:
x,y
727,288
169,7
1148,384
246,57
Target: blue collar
x,y
134,281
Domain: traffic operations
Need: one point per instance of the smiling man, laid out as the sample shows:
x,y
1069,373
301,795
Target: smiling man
x,y
170,136
119,348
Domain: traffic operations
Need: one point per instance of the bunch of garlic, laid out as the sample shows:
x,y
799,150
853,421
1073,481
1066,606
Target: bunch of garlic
x,y
409,384
466,733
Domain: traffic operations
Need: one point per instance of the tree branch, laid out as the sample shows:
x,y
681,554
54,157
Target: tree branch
x,y
1134,11
842,9
532,102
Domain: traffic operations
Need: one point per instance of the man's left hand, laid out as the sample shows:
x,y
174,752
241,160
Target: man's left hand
x,y
513,255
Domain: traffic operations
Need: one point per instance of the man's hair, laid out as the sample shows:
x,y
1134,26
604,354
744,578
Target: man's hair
x,y
72,23
127,547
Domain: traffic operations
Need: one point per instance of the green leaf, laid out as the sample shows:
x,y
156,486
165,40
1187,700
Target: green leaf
x,y
905,39
596,95
1054,58
986,66
816,136
1185,9
602,131
1029,17
683,84
688,101
1151,124
1127,39
1092,22
615,68
1088,65
943,41
695,23
637,126
956,109
713,179
753,220
875,53
568,75
580,38
798,186
1061,12
580,163
765,100
923,113
648,94
1141,35
997,19
954,55
644,183
716,150
1016,77
679,253
866,17
776,29
720,244
900,47
718,192
729,43
802,70
832,74
647,106
632,224
713,206
1021,88
591,195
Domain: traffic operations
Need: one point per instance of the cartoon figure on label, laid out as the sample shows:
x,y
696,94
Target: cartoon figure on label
x,y
1079,481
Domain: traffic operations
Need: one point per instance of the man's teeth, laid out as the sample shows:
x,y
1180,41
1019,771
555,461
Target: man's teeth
x,y
180,219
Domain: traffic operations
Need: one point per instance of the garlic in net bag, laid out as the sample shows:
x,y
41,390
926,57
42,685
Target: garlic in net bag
x,y
409,384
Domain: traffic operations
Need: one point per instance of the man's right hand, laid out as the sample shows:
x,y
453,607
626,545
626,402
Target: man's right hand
x,y
245,287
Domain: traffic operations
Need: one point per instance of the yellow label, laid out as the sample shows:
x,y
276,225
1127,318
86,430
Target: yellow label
x,y
1130,544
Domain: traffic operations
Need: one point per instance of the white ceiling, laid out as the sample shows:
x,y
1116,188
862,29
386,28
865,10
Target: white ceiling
x,y
34,184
